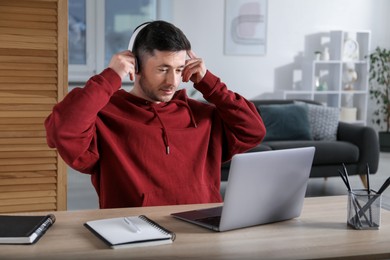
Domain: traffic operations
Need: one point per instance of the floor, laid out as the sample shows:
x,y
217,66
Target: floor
x,y
82,195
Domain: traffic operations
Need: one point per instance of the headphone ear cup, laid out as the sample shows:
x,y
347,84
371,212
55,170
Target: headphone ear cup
x,y
131,44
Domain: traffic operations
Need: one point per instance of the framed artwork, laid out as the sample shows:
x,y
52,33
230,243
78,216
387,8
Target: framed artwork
x,y
245,27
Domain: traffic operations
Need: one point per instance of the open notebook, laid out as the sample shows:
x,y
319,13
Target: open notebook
x,y
263,187
131,231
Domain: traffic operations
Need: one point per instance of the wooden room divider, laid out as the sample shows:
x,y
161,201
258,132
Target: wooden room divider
x,y
33,78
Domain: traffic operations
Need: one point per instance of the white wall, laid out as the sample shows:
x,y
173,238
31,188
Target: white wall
x,y
290,25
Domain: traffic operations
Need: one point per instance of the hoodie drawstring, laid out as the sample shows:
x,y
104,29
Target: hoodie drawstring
x,y
165,134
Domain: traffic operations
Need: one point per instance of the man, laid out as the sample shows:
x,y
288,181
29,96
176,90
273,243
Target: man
x,y
153,145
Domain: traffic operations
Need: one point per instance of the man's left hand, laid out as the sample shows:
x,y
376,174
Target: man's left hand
x,y
195,69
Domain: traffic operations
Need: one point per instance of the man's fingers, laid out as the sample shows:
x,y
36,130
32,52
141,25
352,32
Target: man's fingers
x,y
190,69
194,69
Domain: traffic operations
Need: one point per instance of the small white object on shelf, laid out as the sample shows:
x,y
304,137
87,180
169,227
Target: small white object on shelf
x,y
325,54
350,50
349,77
317,55
348,114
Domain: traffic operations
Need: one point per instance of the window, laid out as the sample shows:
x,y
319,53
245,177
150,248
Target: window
x,y
77,36
100,28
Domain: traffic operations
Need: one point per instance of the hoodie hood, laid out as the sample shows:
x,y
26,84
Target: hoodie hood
x,y
178,102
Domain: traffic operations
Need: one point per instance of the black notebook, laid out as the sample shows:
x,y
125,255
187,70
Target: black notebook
x,y
24,229
131,231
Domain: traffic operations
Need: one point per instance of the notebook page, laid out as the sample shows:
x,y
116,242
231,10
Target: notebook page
x,y
116,231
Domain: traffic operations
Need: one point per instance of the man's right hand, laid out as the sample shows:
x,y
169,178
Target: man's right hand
x,y
123,63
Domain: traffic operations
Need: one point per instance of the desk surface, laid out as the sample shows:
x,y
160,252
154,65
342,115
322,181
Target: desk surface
x,y
320,232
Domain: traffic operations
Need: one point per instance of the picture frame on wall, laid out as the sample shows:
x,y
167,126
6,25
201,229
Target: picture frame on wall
x,y
245,27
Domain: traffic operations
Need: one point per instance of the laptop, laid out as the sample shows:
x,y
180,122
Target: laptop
x,y
263,187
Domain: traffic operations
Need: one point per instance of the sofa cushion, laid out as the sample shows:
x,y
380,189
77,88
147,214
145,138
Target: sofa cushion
x,y
327,152
286,122
323,122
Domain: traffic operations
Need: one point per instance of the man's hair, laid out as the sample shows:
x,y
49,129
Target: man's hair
x,y
161,36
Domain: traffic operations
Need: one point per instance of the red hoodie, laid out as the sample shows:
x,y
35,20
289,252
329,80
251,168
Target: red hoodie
x,y
143,154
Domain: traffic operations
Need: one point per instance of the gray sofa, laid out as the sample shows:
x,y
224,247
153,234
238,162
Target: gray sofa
x,y
355,146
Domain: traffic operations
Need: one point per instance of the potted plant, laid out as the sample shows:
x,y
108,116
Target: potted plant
x,y
379,77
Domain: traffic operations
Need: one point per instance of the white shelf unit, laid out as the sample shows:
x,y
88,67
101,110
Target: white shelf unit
x,y
331,72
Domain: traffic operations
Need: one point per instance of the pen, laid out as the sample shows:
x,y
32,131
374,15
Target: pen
x,y
131,225
384,186
368,179
346,177
369,189
344,180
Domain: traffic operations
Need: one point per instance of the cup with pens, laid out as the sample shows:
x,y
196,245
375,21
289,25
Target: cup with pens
x,y
364,205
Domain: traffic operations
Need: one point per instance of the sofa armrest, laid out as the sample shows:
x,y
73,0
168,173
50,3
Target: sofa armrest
x,y
366,139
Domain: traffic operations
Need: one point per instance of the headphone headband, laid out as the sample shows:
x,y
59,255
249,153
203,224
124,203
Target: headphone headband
x,y
134,35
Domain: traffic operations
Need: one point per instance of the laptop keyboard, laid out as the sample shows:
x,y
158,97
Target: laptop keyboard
x,y
212,221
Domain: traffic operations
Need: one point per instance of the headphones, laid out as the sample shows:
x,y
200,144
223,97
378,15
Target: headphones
x,y
132,40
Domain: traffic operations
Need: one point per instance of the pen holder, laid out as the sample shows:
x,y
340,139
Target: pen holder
x,y
364,209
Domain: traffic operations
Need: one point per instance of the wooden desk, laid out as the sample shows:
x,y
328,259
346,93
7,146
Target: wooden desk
x,y
320,232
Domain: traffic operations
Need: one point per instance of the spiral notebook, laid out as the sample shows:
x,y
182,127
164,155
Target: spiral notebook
x,y
133,231
24,229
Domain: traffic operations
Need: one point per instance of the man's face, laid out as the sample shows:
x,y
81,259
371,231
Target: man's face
x,y
160,75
